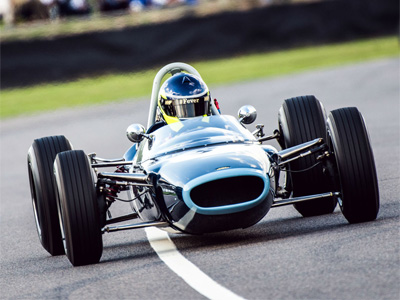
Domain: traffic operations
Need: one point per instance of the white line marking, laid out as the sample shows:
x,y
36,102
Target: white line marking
x,y
190,273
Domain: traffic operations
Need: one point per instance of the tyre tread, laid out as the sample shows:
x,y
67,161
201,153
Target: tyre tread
x,y
44,151
80,209
305,122
356,166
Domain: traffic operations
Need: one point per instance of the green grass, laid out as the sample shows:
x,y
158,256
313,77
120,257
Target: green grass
x,y
129,86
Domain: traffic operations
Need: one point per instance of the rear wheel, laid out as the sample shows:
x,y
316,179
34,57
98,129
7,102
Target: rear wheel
x,y
349,140
78,208
41,157
302,119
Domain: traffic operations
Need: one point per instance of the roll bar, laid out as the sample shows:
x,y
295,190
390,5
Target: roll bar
x,y
172,69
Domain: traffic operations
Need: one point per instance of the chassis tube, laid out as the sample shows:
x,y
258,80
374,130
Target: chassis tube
x,y
304,198
135,226
111,164
292,151
136,178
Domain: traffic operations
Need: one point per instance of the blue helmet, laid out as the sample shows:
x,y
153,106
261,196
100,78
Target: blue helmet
x,y
183,96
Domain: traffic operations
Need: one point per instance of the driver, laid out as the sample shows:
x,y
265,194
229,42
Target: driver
x,y
183,96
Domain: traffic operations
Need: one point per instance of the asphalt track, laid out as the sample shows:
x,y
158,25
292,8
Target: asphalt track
x,y
284,256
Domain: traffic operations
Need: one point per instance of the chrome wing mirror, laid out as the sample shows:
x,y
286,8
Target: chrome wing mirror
x,y
135,133
247,114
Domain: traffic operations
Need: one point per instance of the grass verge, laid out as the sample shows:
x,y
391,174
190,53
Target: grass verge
x,y
126,86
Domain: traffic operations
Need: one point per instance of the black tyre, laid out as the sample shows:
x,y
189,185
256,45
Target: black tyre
x,y
78,208
41,157
302,119
348,139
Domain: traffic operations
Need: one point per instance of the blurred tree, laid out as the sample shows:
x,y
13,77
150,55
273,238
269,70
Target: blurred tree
x,y
31,10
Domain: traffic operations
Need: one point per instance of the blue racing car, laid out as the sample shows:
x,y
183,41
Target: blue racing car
x,y
196,171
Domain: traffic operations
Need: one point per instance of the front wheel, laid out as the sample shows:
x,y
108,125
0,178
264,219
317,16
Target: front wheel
x,y
78,208
349,140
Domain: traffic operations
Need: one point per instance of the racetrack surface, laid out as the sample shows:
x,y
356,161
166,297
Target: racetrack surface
x,y
284,256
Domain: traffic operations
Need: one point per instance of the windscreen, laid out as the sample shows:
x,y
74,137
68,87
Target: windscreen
x,y
193,133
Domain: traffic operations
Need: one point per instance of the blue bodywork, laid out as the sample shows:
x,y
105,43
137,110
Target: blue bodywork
x,y
213,175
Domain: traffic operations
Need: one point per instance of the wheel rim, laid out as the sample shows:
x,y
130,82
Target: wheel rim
x,y
60,218
34,202
60,212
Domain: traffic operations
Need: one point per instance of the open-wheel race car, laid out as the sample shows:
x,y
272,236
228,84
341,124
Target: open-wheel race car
x,y
196,171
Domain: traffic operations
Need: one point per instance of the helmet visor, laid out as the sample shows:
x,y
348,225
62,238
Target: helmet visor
x,y
188,107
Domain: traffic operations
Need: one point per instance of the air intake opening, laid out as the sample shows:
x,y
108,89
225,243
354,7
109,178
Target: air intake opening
x,y
227,191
